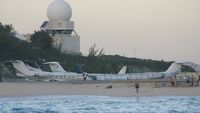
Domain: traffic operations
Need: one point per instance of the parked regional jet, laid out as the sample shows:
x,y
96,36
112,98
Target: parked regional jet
x,y
171,71
174,69
56,67
27,71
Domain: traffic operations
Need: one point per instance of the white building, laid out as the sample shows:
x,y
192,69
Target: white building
x,y
60,28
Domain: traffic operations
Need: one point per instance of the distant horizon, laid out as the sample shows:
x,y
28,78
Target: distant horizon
x,y
159,29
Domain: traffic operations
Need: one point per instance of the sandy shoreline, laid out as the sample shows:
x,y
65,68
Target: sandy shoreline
x,y
118,89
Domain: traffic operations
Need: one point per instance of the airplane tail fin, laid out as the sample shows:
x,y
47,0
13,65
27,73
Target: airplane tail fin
x,y
123,70
194,66
21,68
174,68
55,66
78,68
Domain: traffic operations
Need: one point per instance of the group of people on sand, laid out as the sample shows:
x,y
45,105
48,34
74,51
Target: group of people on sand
x,y
189,79
173,82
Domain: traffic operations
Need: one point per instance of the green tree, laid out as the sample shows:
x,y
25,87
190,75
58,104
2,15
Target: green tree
x,y
95,52
42,40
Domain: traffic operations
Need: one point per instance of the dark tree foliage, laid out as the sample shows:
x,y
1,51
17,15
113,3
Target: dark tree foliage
x,y
10,47
41,39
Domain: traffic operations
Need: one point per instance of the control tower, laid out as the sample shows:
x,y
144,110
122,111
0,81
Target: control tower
x,y
60,28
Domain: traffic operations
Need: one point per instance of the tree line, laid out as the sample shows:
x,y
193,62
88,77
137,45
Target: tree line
x,y
40,50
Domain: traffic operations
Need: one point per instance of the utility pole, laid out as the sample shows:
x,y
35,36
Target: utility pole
x,y
135,52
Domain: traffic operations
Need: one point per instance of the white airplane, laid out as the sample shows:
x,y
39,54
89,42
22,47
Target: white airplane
x,y
25,70
56,67
173,70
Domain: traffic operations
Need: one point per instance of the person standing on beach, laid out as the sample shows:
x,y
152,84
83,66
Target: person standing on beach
x,y
174,79
137,87
192,80
84,76
198,81
172,82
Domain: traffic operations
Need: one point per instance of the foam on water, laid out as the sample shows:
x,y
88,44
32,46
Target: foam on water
x,y
91,104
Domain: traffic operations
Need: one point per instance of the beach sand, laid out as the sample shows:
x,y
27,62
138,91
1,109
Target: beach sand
x,y
12,89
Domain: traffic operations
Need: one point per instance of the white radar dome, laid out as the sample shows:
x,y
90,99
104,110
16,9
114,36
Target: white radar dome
x,y
59,10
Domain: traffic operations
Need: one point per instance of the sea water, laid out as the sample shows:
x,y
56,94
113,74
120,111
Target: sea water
x,y
100,104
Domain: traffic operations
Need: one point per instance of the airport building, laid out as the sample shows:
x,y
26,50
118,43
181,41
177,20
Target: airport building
x,y
61,28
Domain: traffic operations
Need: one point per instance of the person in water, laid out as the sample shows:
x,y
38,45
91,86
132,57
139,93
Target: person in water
x,y
137,87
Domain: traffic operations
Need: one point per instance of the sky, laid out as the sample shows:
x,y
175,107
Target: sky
x,y
152,29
